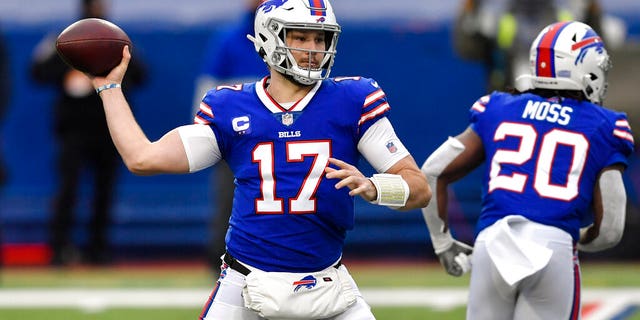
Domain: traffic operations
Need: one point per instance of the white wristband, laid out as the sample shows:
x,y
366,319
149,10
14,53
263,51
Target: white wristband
x,y
393,191
107,86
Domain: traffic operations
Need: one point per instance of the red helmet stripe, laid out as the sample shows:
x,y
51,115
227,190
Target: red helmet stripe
x,y
545,66
318,4
585,42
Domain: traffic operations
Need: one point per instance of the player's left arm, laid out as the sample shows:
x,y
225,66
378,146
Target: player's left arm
x,y
402,185
404,182
419,190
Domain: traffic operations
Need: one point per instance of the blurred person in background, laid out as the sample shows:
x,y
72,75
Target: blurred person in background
x,y
5,94
552,182
291,140
84,144
498,33
229,59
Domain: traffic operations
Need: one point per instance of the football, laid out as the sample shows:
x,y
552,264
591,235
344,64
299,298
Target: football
x,y
92,45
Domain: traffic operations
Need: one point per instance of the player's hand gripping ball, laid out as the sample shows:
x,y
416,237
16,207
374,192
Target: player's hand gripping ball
x,y
92,45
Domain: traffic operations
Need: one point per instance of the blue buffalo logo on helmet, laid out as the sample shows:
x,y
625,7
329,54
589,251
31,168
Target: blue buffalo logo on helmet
x,y
318,7
271,4
590,40
307,282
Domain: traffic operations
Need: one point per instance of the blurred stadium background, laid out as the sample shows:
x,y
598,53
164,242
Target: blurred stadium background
x,y
404,44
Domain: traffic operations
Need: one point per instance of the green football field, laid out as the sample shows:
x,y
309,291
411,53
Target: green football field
x,y
396,291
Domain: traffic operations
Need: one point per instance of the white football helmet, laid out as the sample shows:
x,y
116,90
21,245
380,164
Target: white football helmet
x,y
275,17
568,56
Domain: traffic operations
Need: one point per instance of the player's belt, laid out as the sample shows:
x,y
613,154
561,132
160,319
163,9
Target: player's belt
x,y
237,266
234,264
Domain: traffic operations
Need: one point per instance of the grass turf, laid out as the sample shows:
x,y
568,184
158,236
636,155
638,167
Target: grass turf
x,y
378,274
366,274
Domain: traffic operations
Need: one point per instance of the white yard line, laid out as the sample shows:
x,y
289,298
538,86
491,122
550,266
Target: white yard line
x,y
610,301
102,298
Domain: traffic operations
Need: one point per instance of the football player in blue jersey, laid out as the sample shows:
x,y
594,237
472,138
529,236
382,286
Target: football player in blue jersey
x,y
552,184
292,141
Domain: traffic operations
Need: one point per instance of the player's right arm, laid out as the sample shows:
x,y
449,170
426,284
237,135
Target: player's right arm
x,y
141,156
609,194
609,201
454,159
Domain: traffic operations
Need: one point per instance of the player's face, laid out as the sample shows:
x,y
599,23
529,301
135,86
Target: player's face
x,y
307,40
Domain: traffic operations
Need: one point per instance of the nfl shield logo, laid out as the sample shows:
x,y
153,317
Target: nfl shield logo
x,y
391,147
287,119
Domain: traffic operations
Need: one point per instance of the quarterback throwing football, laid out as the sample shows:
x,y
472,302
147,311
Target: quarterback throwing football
x,y
292,141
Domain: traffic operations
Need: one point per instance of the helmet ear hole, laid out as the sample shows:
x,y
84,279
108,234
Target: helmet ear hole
x,y
588,90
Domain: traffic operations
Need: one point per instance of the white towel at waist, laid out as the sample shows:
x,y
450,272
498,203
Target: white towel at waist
x,y
519,247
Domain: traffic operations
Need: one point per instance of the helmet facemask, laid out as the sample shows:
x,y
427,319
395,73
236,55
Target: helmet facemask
x,y
595,82
283,59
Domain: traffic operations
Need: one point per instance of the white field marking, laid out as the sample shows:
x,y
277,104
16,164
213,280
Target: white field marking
x,y
437,298
102,298
610,301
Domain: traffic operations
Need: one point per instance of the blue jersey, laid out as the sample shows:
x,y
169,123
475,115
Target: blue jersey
x,y
543,156
286,215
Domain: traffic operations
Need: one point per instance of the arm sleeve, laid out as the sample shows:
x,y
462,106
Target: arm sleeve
x,y
432,168
200,145
614,200
381,147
